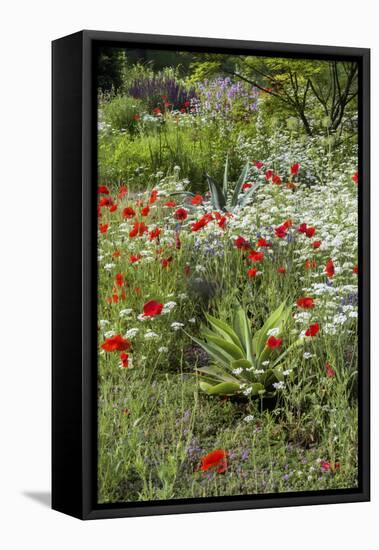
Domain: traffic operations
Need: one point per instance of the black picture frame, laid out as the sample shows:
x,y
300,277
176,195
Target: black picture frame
x,y
74,275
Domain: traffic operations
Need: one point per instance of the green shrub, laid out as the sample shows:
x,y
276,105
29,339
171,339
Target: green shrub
x,y
122,113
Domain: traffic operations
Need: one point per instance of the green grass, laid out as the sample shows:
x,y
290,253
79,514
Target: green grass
x,y
153,429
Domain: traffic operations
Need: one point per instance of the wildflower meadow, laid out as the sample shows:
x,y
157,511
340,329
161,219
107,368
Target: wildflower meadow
x,y
227,275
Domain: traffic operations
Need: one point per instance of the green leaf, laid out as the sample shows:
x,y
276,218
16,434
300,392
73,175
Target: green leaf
x,y
231,349
217,374
257,389
239,184
241,363
242,328
218,198
223,329
225,388
205,387
225,182
216,353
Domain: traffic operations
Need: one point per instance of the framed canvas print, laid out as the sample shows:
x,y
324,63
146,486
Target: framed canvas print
x,y
210,274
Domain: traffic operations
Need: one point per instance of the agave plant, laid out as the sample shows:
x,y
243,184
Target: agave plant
x,y
221,198
243,363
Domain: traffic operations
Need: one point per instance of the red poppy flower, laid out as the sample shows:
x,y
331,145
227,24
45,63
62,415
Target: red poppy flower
x,y
181,214
247,185
116,254
116,343
355,178
252,272
124,360
153,196
316,244
134,258
197,199
202,222
242,243
329,370
302,228
258,164
170,204
329,269
103,227
310,231
262,243
154,234
145,211
281,269
122,192
312,330
216,459
157,111
152,309
273,342
281,231
305,303
276,180
269,174
222,222
128,213
355,269
113,208
290,185
103,190
255,256
105,201
139,228
166,261
119,279
295,169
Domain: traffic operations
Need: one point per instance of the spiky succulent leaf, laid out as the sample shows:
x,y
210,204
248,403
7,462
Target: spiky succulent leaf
x,y
215,373
225,388
242,328
217,196
235,352
223,329
239,184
